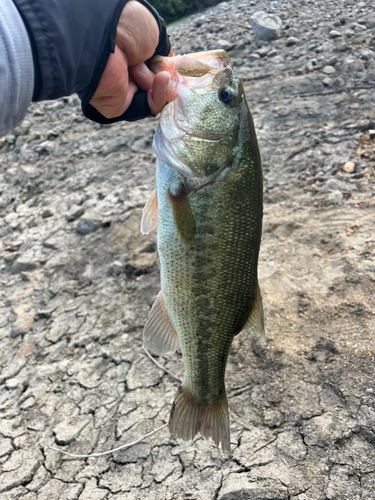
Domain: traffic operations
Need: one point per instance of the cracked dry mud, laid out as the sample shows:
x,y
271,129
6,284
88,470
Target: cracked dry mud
x,y
78,280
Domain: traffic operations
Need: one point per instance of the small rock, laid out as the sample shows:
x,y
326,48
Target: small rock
x,y
28,403
224,45
358,28
332,185
24,174
24,263
334,34
343,47
253,57
47,212
12,369
56,240
334,198
369,21
69,429
266,26
201,20
263,51
87,225
273,53
290,32
273,418
327,81
75,199
332,61
5,447
291,41
329,70
22,325
74,212
349,167
115,268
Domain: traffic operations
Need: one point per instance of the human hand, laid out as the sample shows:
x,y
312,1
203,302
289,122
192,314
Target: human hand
x,y
137,37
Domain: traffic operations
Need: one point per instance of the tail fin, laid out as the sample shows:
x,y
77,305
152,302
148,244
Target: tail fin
x,y
189,417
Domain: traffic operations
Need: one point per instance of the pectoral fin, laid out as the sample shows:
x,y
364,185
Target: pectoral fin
x,y
183,215
159,335
150,214
255,323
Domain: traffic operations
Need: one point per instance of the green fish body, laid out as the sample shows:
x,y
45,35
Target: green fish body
x,y
209,231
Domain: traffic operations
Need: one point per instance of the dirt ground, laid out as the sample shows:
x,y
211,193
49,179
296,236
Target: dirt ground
x,y
78,280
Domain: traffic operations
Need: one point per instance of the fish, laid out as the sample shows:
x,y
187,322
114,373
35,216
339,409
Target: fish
x,y
207,209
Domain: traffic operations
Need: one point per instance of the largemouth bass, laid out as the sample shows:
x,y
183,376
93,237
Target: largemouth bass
x,y
207,207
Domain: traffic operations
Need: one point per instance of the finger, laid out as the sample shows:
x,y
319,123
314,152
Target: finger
x,y
157,97
142,76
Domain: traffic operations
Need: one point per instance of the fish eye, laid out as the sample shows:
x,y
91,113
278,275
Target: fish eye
x,y
227,96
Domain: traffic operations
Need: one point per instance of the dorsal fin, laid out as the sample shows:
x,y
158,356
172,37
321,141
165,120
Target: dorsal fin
x,y
159,335
150,214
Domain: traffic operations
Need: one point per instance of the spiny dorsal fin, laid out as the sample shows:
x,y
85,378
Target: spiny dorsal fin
x,y
255,323
159,335
183,215
150,214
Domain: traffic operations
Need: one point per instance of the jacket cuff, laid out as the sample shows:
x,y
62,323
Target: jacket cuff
x,y
71,41
16,68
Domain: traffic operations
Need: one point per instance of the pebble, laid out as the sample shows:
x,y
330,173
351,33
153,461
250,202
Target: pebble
x,y
224,45
69,429
327,81
290,32
263,51
24,174
273,418
342,47
115,268
334,34
334,198
74,212
47,212
266,26
329,70
24,263
5,447
349,167
292,40
88,225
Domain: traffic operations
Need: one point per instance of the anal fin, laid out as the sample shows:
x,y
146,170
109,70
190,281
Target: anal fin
x,y
255,322
159,335
150,214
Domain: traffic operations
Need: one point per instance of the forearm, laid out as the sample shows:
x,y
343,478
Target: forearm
x,y
71,41
54,48
16,67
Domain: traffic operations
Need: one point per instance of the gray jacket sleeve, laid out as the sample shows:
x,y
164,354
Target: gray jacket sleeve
x,y
16,67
